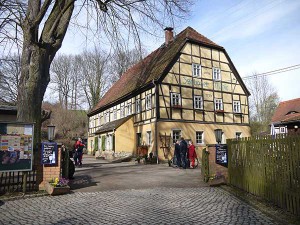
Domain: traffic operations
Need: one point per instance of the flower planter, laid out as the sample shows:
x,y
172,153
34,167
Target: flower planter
x,y
217,181
56,190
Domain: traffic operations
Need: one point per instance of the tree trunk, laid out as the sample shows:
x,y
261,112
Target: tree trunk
x,y
34,80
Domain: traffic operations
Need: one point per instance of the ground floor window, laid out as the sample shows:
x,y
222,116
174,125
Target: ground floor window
x,y
149,138
238,135
176,135
199,137
109,142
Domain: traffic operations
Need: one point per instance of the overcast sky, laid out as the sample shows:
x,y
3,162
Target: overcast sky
x,y
259,36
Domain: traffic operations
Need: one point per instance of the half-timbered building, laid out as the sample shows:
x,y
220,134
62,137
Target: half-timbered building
x,y
188,87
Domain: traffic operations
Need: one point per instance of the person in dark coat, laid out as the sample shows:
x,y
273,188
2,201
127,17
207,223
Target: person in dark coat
x,y
183,152
177,153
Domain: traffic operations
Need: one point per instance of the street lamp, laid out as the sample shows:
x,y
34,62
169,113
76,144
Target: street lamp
x,y
218,134
51,129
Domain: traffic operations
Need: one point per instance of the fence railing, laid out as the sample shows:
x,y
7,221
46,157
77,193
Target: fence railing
x,y
14,181
267,167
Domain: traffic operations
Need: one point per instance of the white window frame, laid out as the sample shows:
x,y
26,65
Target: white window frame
x,y
196,70
175,99
115,114
236,106
122,112
218,104
238,135
198,99
149,137
282,130
106,117
202,137
180,134
148,101
128,109
216,73
138,105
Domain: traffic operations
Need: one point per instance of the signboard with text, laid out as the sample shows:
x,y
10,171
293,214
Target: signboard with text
x,y
16,146
222,155
49,153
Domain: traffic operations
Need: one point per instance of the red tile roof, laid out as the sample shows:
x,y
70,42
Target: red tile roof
x,y
287,111
150,68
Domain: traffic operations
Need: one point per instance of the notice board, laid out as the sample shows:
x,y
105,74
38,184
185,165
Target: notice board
x,y
16,146
222,155
49,153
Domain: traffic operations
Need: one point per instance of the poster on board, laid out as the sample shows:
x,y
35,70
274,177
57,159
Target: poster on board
x,y
16,146
49,153
222,155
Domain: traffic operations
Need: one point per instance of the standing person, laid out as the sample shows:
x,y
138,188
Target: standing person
x,y
192,154
79,150
177,154
183,152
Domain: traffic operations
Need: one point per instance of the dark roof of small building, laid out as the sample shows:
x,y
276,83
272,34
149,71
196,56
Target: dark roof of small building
x,y
153,67
112,125
287,111
8,109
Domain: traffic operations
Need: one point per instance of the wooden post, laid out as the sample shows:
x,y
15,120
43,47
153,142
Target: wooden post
x,y
24,181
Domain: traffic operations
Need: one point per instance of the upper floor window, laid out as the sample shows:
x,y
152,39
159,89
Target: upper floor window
x,y
196,68
199,137
216,73
106,117
138,106
115,114
176,135
236,106
129,111
218,104
148,101
175,99
122,112
198,102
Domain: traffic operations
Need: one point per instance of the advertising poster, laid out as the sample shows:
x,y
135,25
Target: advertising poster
x,y
16,146
49,153
222,155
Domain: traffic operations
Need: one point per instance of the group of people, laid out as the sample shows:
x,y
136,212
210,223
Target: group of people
x,y
78,152
185,154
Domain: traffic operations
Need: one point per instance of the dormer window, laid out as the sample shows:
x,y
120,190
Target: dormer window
x,y
292,112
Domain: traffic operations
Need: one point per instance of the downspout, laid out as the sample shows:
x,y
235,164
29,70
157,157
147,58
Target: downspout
x,y
155,123
114,140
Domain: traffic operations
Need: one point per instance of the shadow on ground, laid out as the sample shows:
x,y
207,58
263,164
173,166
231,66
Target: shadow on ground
x,y
82,181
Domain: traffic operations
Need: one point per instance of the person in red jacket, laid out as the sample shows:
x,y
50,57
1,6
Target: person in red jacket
x,y
192,154
79,152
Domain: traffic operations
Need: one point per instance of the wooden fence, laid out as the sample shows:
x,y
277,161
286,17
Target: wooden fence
x,y
13,181
267,167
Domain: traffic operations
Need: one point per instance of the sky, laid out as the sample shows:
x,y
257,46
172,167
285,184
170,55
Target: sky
x,y
258,35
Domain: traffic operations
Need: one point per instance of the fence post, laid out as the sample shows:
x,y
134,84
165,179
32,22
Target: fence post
x,y
24,177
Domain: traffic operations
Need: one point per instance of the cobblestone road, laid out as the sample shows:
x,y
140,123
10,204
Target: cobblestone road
x,y
203,205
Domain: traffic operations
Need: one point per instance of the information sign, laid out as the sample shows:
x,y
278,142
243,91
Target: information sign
x,y
16,146
49,153
222,155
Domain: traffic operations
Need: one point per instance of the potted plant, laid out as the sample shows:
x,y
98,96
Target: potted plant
x,y
57,186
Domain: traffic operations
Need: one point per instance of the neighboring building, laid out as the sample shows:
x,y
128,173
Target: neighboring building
x,y
8,112
187,88
286,118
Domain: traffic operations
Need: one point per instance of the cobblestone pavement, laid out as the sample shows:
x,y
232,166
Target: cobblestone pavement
x,y
201,205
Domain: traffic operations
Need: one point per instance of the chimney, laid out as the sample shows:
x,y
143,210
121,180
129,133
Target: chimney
x,y
168,35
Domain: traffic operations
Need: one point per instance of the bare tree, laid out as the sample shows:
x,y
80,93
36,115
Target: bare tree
x,y
122,60
10,70
262,103
95,80
42,26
